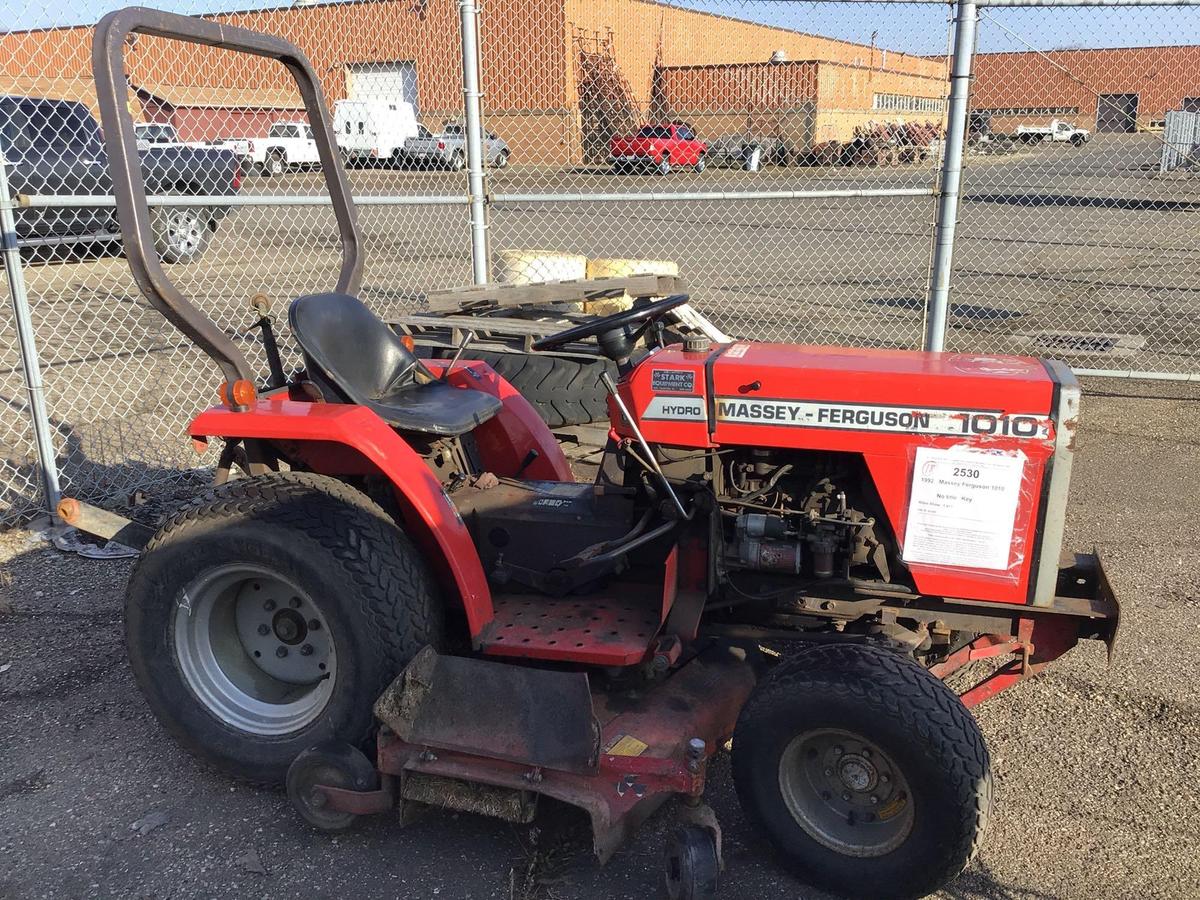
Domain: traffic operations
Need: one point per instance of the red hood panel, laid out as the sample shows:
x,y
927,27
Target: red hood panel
x,y
1009,384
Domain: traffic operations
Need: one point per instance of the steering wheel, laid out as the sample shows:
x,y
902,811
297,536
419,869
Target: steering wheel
x,y
613,332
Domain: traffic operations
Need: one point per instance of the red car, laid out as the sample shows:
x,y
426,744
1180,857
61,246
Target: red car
x,y
661,146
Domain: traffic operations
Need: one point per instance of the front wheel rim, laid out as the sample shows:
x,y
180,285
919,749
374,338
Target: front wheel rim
x,y
254,650
846,793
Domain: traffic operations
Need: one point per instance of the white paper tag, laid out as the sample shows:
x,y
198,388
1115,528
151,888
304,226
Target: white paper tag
x,y
962,508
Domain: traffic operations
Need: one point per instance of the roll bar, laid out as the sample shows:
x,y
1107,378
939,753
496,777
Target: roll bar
x,y
129,186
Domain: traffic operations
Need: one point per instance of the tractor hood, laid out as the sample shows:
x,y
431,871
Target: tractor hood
x,y
776,389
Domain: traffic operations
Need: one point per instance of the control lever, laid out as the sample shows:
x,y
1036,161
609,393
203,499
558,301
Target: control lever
x,y
650,460
261,304
462,346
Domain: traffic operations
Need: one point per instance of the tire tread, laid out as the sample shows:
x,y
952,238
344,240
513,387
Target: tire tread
x,y
894,686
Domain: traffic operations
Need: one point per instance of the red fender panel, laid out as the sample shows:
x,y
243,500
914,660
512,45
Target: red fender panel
x,y
505,441
342,439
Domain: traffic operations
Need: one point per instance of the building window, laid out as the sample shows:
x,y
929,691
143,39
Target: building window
x,y
906,103
1031,111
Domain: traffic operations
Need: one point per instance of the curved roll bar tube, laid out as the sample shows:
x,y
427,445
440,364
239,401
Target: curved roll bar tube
x,y
129,187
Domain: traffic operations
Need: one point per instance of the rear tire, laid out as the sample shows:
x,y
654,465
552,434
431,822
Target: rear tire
x,y
563,390
866,772
348,602
275,164
701,163
457,161
180,233
663,166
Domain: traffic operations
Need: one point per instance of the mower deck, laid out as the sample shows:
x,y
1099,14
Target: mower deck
x,y
649,744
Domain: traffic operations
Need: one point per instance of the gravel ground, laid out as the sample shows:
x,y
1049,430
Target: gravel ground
x,y
1094,765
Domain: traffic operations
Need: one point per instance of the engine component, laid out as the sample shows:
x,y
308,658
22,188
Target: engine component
x,y
536,524
764,542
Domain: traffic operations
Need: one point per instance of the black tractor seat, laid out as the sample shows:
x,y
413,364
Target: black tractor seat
x,y
354,357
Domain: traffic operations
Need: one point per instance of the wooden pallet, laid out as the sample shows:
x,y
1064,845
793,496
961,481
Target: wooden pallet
x,y
575,291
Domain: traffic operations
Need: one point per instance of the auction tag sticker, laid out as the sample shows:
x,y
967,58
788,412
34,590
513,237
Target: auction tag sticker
x,y
962,508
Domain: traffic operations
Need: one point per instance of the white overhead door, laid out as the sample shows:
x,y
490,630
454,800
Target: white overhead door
x,y
391,81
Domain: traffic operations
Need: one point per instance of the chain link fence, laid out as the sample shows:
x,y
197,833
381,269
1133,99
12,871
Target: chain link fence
x,y
786,158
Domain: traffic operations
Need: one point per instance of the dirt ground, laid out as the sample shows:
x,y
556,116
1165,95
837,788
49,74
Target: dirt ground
x,y
1094,766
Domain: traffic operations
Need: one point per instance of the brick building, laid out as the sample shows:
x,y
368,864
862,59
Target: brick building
x,y
559,75
1114,90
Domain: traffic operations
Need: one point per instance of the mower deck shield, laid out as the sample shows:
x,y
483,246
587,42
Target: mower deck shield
x,y
538,717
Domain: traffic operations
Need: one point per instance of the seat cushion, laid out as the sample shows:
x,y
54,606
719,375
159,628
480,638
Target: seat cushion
x,y
435,408
353,356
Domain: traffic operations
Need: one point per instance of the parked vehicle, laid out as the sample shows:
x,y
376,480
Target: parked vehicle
x,y
239,146
661,146
749,152
448,148
1057,132
373,130
286,146
155,134
54,147
163,134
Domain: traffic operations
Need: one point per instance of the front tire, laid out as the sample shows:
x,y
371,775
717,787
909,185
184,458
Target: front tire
x,y
268,615
663,167
701,163
457,161
866,772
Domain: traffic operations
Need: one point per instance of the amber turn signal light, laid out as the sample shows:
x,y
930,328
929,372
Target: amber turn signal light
x,y
239,395
409,344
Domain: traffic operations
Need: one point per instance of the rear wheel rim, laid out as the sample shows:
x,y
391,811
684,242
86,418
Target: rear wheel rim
x,y
254,649
845,792
185,231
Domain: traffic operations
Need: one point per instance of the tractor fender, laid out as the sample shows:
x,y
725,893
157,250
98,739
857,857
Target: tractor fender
x,y
342,439
516,442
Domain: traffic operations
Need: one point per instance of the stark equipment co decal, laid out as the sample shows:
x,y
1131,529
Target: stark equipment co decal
x,y
868,417
681,381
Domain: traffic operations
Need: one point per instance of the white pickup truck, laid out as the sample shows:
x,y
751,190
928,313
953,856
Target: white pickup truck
x,y
287,145
1057,131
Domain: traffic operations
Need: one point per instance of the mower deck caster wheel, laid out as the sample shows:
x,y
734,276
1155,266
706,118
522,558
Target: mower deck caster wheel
x,y
691,864
333,764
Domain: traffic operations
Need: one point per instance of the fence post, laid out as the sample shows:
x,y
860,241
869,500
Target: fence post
x,y
29,355
966,23
477,193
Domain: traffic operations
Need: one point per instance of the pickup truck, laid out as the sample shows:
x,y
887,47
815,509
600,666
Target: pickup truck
x,y
55,147
658,146
1057,131
448,148
286,146
162,134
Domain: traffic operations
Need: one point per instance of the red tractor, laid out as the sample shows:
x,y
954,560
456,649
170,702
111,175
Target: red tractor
x,y
787,547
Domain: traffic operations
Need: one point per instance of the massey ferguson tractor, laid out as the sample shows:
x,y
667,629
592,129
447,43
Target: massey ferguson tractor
x,y
405,600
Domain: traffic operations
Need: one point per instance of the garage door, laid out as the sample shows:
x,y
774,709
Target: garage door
x,y
1117,113
392,81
